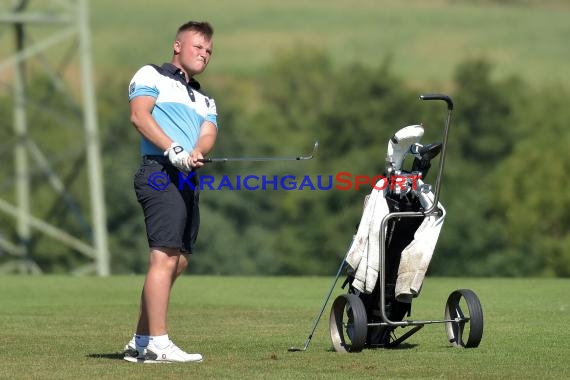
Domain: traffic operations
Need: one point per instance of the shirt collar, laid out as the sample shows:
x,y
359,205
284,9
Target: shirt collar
x,y
176,73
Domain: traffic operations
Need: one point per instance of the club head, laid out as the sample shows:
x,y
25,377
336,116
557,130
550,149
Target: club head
x,y
315,148
295,349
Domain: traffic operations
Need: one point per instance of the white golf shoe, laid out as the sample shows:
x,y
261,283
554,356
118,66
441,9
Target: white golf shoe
x,y
152,354
130,350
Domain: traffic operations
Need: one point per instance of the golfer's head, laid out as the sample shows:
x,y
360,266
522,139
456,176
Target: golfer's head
x,y
193,46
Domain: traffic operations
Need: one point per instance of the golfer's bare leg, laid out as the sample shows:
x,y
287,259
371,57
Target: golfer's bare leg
x,y
182,265
163,270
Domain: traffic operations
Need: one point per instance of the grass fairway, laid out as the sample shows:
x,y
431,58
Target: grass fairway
x,y
73,327
423,39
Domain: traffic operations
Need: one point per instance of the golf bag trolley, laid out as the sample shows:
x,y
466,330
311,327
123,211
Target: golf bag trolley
x,y
369,315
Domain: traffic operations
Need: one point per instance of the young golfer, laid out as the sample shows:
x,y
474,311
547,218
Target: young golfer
x,y
178,126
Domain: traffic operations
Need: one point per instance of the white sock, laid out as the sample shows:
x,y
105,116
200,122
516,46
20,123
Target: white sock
x,y
142,340
160,341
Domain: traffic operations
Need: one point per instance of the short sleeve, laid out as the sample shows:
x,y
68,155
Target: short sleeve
x,y
212,114
144,83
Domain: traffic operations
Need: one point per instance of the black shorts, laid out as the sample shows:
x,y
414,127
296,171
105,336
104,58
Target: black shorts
x,y
169,200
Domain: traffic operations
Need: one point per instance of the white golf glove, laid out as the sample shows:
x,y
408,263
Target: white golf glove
x,y
178,157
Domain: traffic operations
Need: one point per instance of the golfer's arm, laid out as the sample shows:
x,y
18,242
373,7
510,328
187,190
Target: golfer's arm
x,y
141,117
207,138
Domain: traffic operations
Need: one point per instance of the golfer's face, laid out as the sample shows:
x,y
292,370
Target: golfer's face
x,y
194,51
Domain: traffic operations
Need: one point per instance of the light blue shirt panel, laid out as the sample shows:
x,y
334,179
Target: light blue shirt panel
x,y
179,121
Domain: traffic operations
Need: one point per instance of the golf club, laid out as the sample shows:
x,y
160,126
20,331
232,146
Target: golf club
x,y
258,159
318,318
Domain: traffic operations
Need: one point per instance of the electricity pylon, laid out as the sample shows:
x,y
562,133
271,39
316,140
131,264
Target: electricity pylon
x,y
70,19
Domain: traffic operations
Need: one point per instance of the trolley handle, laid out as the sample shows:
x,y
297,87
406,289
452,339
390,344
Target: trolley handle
x,y
445,98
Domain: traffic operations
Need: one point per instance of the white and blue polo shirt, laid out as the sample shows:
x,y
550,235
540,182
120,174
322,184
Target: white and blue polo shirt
x,y
180,107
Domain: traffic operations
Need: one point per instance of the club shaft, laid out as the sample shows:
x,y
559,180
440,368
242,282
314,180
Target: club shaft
x,y
326,300
261,159
252,159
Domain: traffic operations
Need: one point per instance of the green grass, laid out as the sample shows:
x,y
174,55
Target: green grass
x,y
73,327
423,39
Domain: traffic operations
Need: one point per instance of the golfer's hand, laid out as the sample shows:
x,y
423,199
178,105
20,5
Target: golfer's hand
x,y
178,157
195,156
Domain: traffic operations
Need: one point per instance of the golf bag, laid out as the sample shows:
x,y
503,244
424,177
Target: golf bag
x,y
396,195
391,252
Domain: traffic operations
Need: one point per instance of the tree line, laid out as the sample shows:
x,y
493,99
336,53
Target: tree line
x,y
504,186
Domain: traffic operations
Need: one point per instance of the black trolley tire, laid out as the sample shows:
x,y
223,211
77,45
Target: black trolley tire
x,y
341,307
455,330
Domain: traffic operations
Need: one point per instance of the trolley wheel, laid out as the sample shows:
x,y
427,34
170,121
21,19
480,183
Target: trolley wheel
x,y
348,315
463,306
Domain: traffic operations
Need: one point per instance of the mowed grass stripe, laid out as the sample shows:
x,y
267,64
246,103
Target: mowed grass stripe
x,y
74,327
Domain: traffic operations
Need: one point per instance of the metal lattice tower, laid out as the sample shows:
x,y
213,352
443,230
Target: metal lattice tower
x,y
66,20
